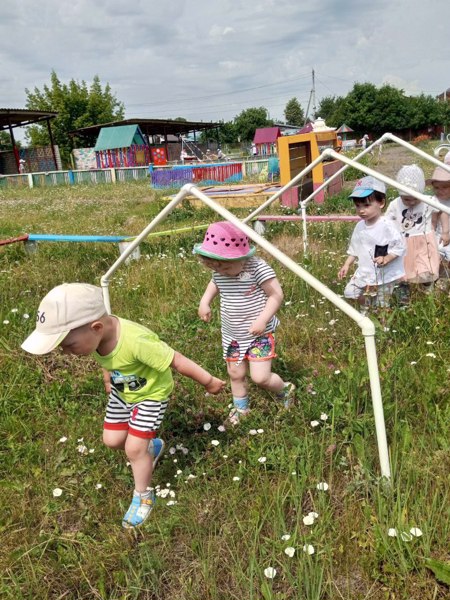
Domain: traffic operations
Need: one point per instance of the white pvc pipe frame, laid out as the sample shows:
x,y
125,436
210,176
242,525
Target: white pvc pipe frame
x,y
366,325
353,162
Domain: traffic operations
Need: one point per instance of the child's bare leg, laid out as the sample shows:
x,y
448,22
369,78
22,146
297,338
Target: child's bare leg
x,y
261,374
239,389
238,378
136,449
115,439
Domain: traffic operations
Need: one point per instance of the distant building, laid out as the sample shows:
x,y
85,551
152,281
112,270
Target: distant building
x,y
123,146
265,140
445,96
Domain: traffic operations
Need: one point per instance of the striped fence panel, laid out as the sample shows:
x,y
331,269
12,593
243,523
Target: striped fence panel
x,y
203,174
161,177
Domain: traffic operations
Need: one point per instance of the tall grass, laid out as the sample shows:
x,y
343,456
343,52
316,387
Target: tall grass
x,y
224,523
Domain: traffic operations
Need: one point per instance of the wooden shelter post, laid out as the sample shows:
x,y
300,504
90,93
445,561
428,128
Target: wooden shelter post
x,y
52,143
13,142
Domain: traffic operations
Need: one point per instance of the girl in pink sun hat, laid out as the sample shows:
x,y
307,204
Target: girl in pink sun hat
x,y
250,296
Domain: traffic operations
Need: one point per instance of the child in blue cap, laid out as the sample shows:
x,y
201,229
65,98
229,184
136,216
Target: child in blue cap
x,y
377,247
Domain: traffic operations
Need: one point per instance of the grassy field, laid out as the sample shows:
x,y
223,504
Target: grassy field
x,y
227,511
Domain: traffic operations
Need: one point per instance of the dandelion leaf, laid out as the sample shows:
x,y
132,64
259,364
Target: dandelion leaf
x,y
440,569
266,591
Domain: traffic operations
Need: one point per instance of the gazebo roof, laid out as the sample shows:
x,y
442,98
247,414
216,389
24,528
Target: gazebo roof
x,y
20,117
344,129
149,127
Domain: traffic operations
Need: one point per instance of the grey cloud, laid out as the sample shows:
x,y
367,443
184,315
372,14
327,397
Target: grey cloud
x,y
153,52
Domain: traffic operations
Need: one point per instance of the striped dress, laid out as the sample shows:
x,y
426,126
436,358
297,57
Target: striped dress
x,y
242,300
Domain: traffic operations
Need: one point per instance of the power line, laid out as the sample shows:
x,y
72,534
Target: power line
x,y
257,87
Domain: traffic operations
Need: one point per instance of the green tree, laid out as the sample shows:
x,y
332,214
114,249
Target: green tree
x,y
391,111
293,113
77,106
225,135
5,141
331,110
359,107
426,111
249,120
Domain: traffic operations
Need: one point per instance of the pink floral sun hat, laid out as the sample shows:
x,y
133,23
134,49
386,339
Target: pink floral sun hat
x,y
224,241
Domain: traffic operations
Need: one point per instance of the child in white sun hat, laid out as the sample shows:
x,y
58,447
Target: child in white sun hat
x,y
377,247
416,221
137,375
250,296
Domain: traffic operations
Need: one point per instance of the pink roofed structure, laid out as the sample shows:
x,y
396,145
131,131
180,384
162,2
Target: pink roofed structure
x,y
265,140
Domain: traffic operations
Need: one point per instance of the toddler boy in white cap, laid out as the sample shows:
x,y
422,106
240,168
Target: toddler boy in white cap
x,y
137,368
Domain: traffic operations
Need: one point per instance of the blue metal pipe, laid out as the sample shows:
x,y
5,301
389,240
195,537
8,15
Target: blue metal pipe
x,y
41,237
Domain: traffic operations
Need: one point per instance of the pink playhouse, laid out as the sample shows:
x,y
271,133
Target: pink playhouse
x,y
265,140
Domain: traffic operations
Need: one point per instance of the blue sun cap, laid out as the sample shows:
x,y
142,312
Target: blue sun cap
x,y
366,186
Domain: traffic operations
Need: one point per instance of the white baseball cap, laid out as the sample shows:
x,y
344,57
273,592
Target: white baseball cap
x,y
64,308
366,186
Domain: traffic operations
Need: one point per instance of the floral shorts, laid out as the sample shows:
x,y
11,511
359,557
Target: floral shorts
x,y
261,348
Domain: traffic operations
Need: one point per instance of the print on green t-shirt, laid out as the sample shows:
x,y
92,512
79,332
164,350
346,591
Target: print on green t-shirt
x,y
139,364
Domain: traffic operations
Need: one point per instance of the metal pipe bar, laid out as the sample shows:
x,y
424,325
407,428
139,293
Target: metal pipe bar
x,y
366,325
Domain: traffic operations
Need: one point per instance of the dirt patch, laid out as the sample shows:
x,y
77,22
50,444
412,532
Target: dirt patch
x,y
392,158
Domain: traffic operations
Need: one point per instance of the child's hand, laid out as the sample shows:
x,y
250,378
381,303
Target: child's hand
x,y
445,238
258,327
215,386
107,387
343,272
379,261
382,261
204,312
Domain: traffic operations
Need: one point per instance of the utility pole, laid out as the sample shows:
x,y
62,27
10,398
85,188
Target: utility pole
x,y
312,97
313,94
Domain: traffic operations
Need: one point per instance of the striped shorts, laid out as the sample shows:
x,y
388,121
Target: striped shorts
x,y
141,419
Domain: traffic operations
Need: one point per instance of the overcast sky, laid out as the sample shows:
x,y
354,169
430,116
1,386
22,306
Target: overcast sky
x,y
210,59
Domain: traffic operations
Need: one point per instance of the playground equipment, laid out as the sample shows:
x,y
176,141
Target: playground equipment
x,y
364,322
204,174
192,153
443,147
298,151
21,238
366,325
121,146
124,242
349,162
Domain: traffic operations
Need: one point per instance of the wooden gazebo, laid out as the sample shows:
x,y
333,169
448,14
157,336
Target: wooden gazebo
x,y
21,117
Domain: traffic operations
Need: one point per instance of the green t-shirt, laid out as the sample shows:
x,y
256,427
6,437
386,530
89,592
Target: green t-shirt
x,y
140,364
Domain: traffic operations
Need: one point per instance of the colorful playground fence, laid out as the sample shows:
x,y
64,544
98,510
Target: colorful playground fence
x,y
199,173
73,177
204,174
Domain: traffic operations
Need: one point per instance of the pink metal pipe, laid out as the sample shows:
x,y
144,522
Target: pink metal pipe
x,y
317,218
